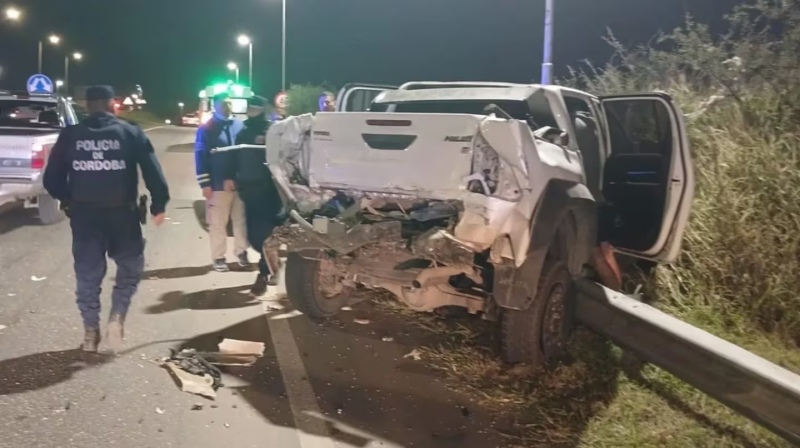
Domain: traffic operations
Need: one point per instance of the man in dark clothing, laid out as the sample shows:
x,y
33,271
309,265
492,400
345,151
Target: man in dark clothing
x,y
257,189
92,170
223,204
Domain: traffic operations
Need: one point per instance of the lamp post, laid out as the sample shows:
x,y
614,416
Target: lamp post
x,y
547,60
77,56
283,46
53,39
180,106
59,84
245,41
235,68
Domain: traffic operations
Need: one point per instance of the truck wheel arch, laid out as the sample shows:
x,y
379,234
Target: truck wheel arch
x,y
563,203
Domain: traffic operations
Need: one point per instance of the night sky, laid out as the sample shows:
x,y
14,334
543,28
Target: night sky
x,y
175,47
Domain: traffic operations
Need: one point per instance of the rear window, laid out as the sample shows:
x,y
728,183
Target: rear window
x,y
30,114
519,110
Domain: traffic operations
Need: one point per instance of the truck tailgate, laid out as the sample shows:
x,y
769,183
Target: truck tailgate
x,y
421,154
15,154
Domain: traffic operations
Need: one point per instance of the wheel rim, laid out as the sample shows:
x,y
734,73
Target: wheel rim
x,y
329,279
554,342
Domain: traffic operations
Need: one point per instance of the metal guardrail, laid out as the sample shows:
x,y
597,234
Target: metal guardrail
x,y
750,385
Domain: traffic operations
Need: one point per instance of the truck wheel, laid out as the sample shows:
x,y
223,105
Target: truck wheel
x,y
49,210
314,285
538,335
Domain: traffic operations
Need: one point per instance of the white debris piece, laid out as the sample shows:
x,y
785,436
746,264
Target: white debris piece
x,y
37,279
159,411
415,354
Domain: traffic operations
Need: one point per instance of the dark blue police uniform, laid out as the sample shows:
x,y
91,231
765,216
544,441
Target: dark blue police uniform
x,y
257,189
92,170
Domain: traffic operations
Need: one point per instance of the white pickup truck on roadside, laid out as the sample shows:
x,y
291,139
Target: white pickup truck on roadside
x,y
491,197
29,127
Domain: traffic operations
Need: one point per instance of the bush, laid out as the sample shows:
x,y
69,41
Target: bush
x,y
741,95
304,99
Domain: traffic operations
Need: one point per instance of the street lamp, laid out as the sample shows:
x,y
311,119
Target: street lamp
x,y
180,105
59,83
53,39
283,47
245,41
13,14
77,56
547,60
235,68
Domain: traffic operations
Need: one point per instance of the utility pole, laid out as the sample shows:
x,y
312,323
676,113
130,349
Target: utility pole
x,y
547,61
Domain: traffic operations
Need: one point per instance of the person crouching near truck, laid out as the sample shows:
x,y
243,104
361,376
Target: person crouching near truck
x,y
257,189
222,201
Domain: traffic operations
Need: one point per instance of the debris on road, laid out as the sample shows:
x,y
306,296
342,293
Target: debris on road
x,y
2,327
197,407
37,279
233,352
195,374
415,354
362,321
159,411
387,339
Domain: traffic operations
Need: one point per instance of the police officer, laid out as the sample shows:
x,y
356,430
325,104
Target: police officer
x,y
257,189
92,170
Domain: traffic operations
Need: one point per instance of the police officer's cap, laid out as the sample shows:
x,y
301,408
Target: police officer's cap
x,y
99,93
257,101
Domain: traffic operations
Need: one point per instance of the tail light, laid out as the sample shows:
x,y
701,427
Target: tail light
x,y
491,175
39,155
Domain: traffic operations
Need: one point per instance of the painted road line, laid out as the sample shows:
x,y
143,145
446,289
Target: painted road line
x,y
312,432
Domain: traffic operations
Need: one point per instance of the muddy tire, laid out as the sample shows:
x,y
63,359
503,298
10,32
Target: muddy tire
x,y
311,286
49,210
538,335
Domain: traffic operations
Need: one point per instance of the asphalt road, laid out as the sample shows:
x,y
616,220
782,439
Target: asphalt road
x,y
332,385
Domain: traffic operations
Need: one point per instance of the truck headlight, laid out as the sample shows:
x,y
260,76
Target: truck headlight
x,y
490,172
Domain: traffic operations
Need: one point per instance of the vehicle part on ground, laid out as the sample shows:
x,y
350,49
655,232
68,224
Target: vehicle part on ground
x,y
750,385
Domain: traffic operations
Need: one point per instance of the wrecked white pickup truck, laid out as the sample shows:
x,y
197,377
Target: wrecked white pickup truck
x,y
487,196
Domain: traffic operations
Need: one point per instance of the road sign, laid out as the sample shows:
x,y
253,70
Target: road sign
x,y
40,85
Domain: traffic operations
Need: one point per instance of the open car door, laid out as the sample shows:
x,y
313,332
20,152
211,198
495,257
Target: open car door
x,y
358,97
648,179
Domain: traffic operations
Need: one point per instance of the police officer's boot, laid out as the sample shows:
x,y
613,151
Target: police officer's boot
x,y
91,339
259,288
115,332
